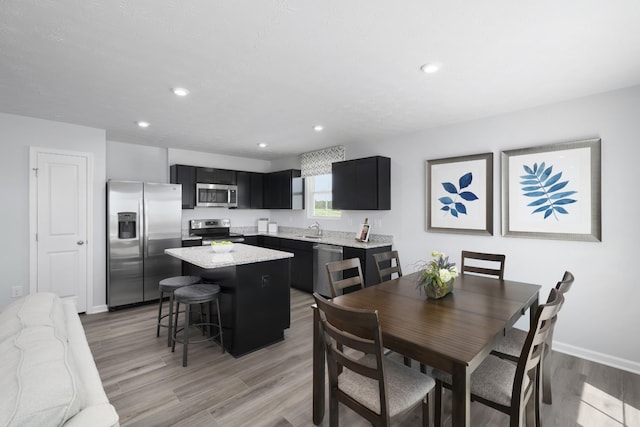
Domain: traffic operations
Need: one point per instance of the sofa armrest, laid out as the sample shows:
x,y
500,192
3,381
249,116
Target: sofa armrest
x,y
103,415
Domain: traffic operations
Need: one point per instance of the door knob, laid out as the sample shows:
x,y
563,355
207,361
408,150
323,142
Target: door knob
x,y
80,242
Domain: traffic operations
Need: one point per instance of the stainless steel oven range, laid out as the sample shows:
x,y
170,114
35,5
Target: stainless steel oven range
x,y
213,229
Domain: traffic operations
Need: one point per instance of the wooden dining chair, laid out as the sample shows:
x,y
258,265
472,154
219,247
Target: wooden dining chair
x,y
482,263
376,387
387,263
511,346
498,383
336,269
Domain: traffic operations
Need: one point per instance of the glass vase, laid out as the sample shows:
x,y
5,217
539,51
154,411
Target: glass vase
x,y
435,291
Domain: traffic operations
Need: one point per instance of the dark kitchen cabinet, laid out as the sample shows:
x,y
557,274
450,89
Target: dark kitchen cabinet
x,y
284,190
269,242
216,176
367,263
250,190
251,240
362,184
187,243
185,175
301,263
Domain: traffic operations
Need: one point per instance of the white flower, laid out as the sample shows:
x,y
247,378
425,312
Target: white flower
x,y
445,275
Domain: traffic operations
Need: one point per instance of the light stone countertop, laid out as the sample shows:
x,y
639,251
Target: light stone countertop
x,y
328,238
204,257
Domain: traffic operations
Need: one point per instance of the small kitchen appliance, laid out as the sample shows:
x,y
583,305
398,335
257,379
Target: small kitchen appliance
x,y
262,225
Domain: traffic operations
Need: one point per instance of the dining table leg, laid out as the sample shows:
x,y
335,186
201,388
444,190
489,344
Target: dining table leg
x,y
318,369
461,396
533,309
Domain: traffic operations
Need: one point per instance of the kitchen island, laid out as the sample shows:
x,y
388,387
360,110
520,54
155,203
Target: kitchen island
x,y
255,295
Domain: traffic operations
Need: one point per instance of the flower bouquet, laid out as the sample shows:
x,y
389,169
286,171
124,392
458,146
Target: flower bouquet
x,y
437,276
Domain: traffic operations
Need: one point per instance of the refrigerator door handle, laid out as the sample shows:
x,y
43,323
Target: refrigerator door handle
x,y
142,225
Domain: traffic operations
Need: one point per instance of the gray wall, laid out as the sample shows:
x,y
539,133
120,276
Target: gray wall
x,y
600,316
131,162
17,134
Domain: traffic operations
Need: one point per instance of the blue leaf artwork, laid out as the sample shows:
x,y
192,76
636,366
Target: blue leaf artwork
x,y
451,204
547,189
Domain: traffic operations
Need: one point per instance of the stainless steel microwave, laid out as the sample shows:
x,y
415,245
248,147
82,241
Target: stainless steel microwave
x,y
217,195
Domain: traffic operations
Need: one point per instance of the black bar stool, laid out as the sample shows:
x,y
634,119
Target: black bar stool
x,y
197,294
168,286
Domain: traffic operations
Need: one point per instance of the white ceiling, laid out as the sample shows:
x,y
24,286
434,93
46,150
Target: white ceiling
x,y
268,70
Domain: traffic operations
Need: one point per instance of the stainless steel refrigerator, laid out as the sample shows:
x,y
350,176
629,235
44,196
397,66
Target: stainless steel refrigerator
x,y
143,219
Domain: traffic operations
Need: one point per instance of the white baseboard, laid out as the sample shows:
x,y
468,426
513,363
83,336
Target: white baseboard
x,y
594,356
97,309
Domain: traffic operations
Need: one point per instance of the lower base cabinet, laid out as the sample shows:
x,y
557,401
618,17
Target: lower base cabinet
x,y
301,264
302,261
367,263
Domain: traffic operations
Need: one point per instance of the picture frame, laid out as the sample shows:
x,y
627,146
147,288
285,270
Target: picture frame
x,y
363,232
553,191
459,194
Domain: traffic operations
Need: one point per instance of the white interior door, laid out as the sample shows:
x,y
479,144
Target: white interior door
x,y
62,225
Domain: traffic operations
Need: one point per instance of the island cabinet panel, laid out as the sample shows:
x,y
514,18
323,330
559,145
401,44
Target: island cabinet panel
x,y
254,303
301,264
185,175
362,184
367,263
250,190
216,176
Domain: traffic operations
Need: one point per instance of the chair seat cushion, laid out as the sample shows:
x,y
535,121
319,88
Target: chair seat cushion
x,y
492,380
512,343
404,386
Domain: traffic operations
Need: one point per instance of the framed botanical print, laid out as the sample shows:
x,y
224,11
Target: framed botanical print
x,y
460,194
552,191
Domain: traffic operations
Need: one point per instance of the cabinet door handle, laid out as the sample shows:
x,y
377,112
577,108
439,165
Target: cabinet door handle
x,y
80,242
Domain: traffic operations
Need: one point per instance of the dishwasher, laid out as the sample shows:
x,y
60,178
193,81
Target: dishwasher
x,y
323,254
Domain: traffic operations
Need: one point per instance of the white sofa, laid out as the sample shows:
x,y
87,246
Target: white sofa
x,y
47,374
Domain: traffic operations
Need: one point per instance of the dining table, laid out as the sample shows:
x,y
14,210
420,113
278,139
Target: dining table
x,y
454,333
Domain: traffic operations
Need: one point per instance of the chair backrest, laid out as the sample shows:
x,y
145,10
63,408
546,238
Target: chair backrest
x,y
485,264
524,384
336,280
564,285
385,267
344,330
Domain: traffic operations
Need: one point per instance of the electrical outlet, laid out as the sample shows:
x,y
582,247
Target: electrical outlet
x,y
16,291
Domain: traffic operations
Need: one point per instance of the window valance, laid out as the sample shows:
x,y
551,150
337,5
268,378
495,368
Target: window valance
x,y
319,162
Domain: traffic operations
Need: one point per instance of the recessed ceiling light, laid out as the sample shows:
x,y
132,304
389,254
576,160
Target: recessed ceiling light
x,y
262,144
180,91
430,68
318,128
143,124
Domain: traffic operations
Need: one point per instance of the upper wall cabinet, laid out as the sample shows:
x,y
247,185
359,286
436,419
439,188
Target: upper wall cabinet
x,y
250,190
185,175
362,184
216,176
284,190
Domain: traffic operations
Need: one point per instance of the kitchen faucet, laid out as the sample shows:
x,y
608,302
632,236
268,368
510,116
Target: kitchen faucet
x,y
317,227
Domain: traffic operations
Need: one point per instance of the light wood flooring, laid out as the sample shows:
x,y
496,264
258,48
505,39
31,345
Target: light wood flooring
x,y
272,387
